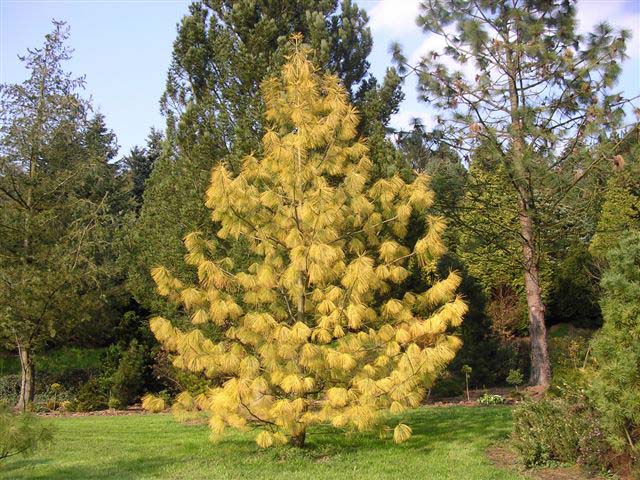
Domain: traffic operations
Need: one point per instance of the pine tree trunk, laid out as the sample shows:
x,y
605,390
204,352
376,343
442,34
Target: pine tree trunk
x,y
298,439
540,365
27,374
521,178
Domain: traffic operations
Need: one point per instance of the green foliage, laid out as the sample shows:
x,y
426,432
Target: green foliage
x,y
515,378
92,396
621,208
122,378
447,386
113,373
46,398
70,367
489,212
9,388
488,399
440,162
61,206
138,164
128,379
564,430
57,362
616,348
574,293
376,103
569,352
481,348
21,433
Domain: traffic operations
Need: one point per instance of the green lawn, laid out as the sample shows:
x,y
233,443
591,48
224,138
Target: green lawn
x,y
448,443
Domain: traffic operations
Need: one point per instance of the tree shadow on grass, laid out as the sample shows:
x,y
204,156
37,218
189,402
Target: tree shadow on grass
x,y
432,428
126,469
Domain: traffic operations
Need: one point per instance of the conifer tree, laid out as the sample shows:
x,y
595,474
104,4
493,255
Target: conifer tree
x,y
138,164
317,327
615,386
60,206
518,76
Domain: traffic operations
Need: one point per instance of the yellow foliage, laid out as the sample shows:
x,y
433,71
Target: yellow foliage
x,y
152,403
292,384
396,407
264,439
217,425
441,291
402,433
314,330
337,397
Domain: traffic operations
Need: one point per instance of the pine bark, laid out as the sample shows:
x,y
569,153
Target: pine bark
x,y
298,439
540,364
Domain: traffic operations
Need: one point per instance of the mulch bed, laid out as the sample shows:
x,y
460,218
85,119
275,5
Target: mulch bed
x,y
133,410
474,395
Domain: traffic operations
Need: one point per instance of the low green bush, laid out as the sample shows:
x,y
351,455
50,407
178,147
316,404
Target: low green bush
x,y
560,430
568,352
93,395
515,378
127,381
21,433
488,399
448,386
9,389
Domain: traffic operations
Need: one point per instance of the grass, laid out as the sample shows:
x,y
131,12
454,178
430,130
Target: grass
x,y
448,443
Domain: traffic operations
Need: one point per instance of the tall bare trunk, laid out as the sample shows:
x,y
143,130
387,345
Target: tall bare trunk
x,y
27,374
540,365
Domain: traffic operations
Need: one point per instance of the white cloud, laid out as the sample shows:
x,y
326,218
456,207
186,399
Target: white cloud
x,y
403,120
436,43
431,43
395,17
616,12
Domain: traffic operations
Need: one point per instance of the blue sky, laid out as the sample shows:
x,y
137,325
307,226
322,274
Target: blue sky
x,y
124,48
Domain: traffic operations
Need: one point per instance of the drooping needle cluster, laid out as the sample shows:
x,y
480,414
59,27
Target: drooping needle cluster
x,y
313,331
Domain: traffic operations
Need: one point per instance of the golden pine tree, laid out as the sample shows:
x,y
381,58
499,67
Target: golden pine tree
x,y
311,330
